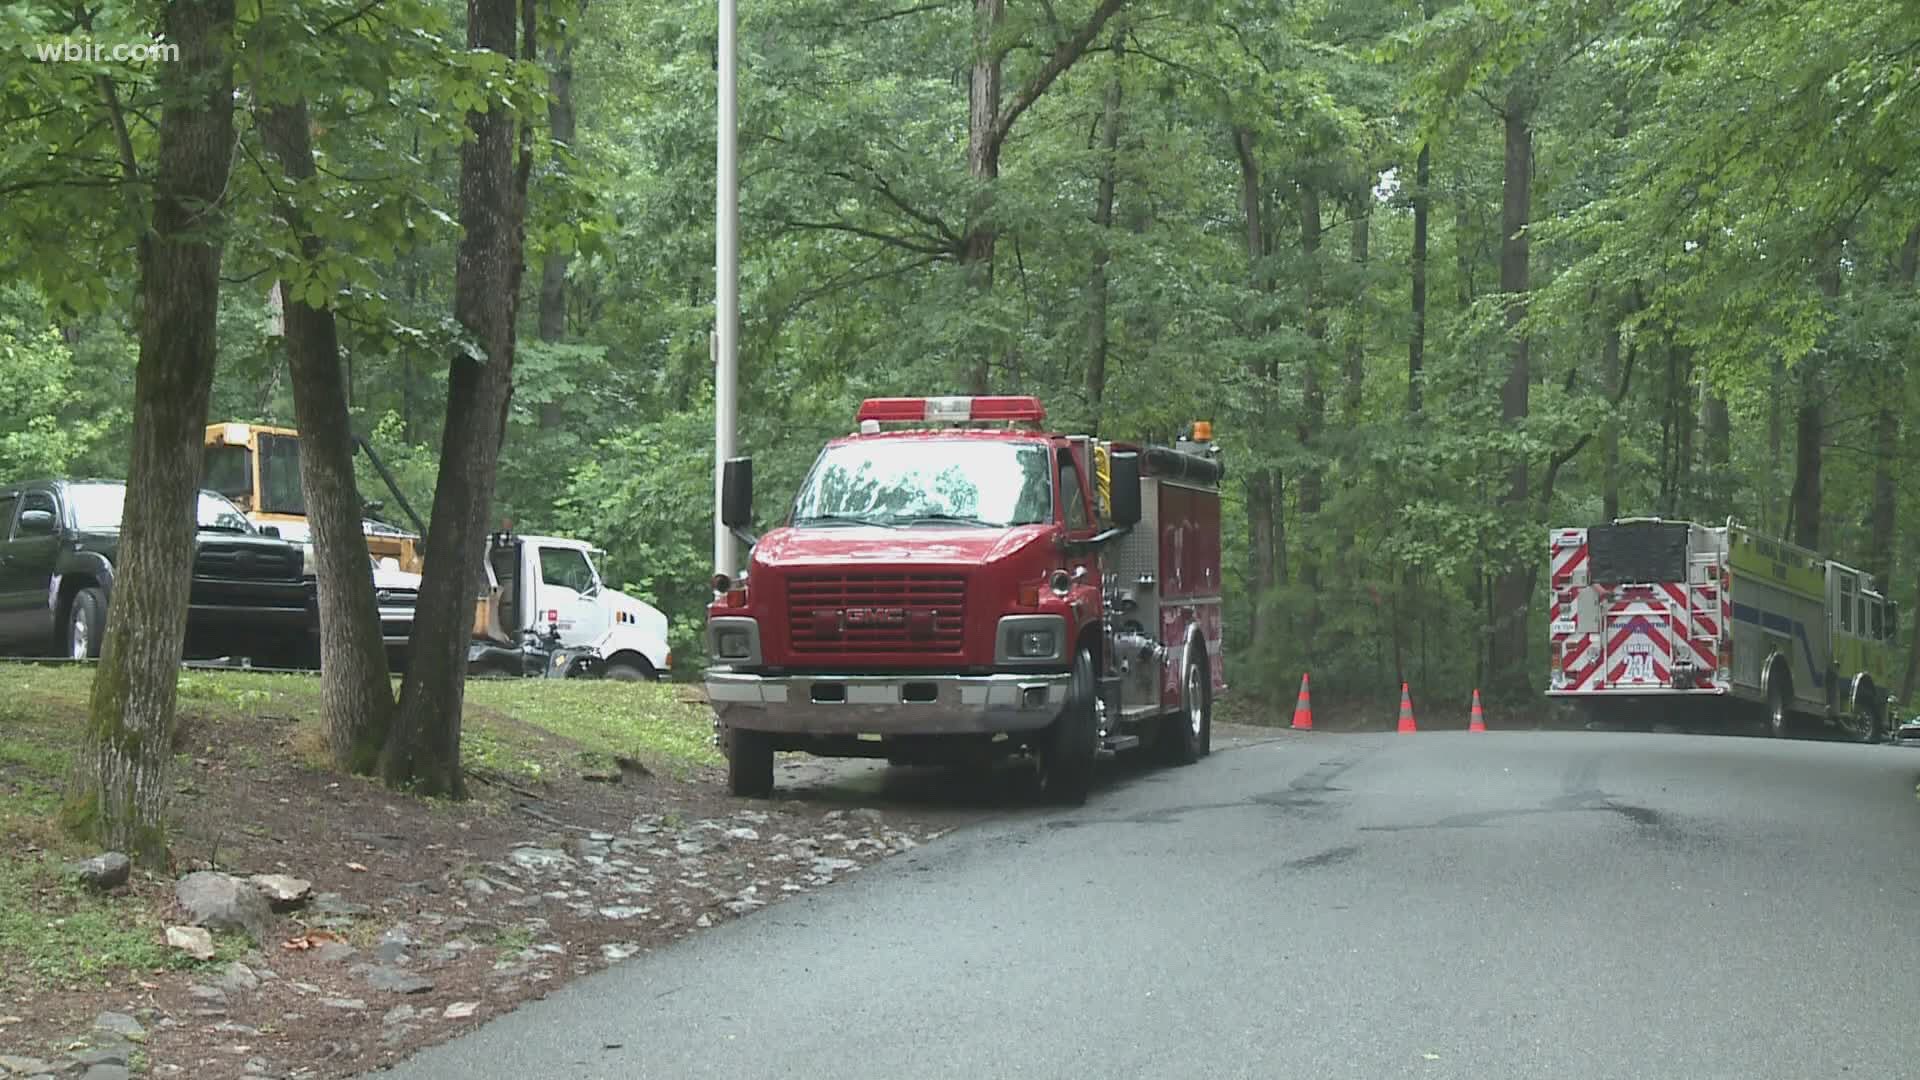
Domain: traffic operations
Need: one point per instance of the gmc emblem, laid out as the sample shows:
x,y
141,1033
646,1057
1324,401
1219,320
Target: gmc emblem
x,y
872,616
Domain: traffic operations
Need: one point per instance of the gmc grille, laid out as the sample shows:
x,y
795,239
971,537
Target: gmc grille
x,y
905,613
236,563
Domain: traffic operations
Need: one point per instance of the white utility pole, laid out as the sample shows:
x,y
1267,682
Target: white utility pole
x,y
726,265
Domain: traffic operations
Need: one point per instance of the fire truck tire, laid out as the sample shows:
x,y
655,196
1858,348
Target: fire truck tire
x,y
749,763
1073,742
1869,721
1187,735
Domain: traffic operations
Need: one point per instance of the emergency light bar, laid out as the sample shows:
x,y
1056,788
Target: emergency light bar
x,y
951,409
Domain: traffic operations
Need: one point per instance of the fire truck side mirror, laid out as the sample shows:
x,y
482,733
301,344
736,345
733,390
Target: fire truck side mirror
x,y
1126,489
736,493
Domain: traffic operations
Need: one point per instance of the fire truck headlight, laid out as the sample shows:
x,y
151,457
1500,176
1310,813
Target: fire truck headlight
x,y
1027,640
734,639
1037,643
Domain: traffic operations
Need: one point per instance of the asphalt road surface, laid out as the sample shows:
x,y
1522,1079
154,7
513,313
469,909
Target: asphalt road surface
x,y
1445,905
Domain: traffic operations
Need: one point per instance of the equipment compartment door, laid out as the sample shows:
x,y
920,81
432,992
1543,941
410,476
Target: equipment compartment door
x,y
1639,652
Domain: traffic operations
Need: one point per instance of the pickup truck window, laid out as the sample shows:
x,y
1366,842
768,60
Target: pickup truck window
x,y
7,503
567,568
99,508
903,482
36,500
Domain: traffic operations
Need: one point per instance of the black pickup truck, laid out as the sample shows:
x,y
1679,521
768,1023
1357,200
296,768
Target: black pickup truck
x,y
58,543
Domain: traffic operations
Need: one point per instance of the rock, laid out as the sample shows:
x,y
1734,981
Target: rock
x,y
535,858
211,995
460,1010
391,952
743,833
477,888
589,848
102,872
829,865
392,980
350,1004
833,815
22,1066
228,1027
283,893
112,1051
193,940
335,952
688,847
114,1023
330,903
704,921
866,814
622,913
256,1066
399,1014
618,951
105,1072
238,978
224,902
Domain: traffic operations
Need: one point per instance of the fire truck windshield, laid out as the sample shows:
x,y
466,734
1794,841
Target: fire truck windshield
x,y
895,482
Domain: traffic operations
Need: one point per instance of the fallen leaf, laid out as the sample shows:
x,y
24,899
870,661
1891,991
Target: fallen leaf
x,y
1431,1057
312,939
356,867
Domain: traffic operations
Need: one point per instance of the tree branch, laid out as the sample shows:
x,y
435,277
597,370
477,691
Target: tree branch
x,y
1062,59
920,247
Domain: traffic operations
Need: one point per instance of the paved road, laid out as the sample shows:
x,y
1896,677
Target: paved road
x,y
1442,905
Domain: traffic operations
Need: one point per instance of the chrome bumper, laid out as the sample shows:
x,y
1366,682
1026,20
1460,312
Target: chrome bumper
x,y
887,704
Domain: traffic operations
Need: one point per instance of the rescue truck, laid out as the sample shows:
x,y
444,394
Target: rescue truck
x,y
1652,619
954,584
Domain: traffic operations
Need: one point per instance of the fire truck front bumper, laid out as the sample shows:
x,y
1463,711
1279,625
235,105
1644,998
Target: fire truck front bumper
x,y
887,704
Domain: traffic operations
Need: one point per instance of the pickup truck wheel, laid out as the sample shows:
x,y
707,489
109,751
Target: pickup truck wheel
x,y
86,624
749,763
1072,744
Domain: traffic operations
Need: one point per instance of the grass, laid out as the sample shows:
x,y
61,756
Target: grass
x,y
54,930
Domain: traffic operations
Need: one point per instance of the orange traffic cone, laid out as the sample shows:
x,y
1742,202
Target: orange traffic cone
x,y
1406,712
1303,709
1479,722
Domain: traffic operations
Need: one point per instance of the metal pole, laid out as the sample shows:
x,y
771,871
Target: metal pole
x,y
726,339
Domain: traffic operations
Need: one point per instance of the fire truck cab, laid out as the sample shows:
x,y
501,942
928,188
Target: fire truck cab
x,y
953,584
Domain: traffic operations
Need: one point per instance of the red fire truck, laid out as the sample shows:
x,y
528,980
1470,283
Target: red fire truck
x,y
954,584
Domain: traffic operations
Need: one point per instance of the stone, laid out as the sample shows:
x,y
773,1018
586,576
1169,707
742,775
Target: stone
x,y
399,1014
22,1066
623,912
114,1051
228,1027
223,902
256,1066
211,995
391,952
349,1004
460,1010
102,872
589,848
335,952
105,1072
618,951
392,980
329,903
535,858
238,978
283,893
688,847
195,941
477,888
866,814
743,833
116,1023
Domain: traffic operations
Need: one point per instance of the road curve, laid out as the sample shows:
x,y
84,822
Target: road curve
x,y
1440,905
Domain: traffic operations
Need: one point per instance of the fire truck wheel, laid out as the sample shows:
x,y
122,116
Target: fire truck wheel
x,y
1073,743
1868,721
749,763
1187,735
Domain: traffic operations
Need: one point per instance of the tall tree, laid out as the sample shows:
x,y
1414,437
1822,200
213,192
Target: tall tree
x,y
1097,336
119,791
423,748
1513,588
354,683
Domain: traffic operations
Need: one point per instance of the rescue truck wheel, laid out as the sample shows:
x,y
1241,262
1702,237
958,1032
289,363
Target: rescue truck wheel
x,y
1779,711
1073,743
749,763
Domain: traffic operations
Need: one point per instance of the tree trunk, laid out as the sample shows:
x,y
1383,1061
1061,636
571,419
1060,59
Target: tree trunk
x,y
1358,250
1265,527
1313,407
1808,428
1102,255
553,267
1464,292
1886,435
424,747
354,688
1718,456
983,166
1610,427
1776,438
1417,339
119,791
1513,588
